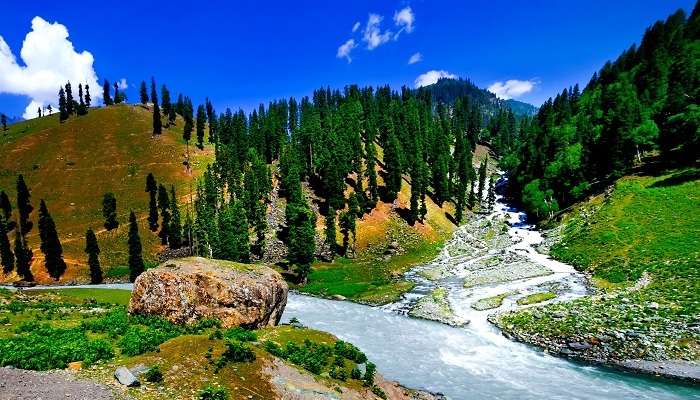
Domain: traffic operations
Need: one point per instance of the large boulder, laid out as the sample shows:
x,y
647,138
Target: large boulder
x,y
186,290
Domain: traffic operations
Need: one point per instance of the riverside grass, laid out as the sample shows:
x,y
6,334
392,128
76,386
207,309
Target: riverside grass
x,y
642,247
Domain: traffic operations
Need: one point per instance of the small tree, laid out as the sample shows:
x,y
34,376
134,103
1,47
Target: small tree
x,y
152,190
23,257
62,110
7,258
93,252
50,243
109,211
106,97
49,109
143,92
136,265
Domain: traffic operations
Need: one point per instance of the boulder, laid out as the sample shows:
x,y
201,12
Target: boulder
x,y
125,377
187,290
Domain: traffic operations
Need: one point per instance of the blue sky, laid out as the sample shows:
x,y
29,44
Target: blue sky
x,y
243,53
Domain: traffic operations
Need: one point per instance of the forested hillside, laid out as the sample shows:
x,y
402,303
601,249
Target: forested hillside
x,y
645,102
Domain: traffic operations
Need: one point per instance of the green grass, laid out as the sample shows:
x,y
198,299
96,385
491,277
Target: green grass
x,y
536,298
489,303
369,280
80,295
650,224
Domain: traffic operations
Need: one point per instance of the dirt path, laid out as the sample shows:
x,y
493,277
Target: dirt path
x,y
19,384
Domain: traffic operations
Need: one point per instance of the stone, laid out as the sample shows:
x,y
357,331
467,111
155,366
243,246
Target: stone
x,y
187,290
125,377
579,346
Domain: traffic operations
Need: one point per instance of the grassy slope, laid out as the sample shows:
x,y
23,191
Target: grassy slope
x,y
71,165
649,223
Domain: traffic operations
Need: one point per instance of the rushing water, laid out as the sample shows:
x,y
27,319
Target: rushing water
x,y
474,362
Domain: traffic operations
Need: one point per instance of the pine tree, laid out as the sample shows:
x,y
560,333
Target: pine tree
x,y
5,206
106,97
301,245
164,206
152,190
88,99
143,93
201,122
211,120
7,258
23,206
50,243
117,95
472,196
331,229
23,257
154,93
233,233
109,211
165,100
491,195
62,110
93,252
175,231
82,109
49,109
70,102
393,160
157,123
136,265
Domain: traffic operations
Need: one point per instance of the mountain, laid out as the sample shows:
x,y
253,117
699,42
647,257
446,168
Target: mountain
x,y
447,90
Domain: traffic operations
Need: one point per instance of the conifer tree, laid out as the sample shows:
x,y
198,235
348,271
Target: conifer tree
x,y
301,245
70,102
62,110
157,123
482,180
49,109
211,120
491,195
201,122
152,190
143,93
154,93
164,206
23,257
106,97
82,109
136,265
233,233
7,258
88,99
472,196
393,159
117,95
24,206
50,243
171,116
165,100
331,229
175,231
5,206
109,211
93,252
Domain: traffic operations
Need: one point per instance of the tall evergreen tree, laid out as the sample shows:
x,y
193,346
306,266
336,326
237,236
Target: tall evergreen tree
x,y
5,206
233,233
88,99
109,211
157,123
482,180
70,101
93,252
166,217
50,243
331,230
23,257
7,258
117,95
154,93
62,110
165,100
152,190
136,265
301,222
175,231
491,195
143,93
106,94
201,122
24,206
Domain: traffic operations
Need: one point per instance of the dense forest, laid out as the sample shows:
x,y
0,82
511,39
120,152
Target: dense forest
x,y
646,101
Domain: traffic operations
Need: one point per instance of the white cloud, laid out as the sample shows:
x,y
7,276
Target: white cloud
x,y
345,49
122,84
415,58
431,77
373,35
404,19
50,60
511,88
356,26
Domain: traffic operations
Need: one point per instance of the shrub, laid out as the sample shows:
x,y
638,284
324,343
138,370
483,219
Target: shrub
x,y
338,373
213,393
240,334
153,374
356,374
379,392
349,351
238,352
370,369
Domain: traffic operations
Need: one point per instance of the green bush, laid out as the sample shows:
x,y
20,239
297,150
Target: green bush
x,y
356,374
379,392
213,393
349,351
153,374
138,340
238,352
370,369
240,334
45,348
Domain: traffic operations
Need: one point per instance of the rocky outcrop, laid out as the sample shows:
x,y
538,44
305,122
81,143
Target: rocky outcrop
x,y
187,290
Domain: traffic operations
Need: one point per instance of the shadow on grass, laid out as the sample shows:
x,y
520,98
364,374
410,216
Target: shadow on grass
x,y
678,178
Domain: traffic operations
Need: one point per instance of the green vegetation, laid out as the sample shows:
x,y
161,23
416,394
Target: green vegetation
x,y
489,303
641,245
535,298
